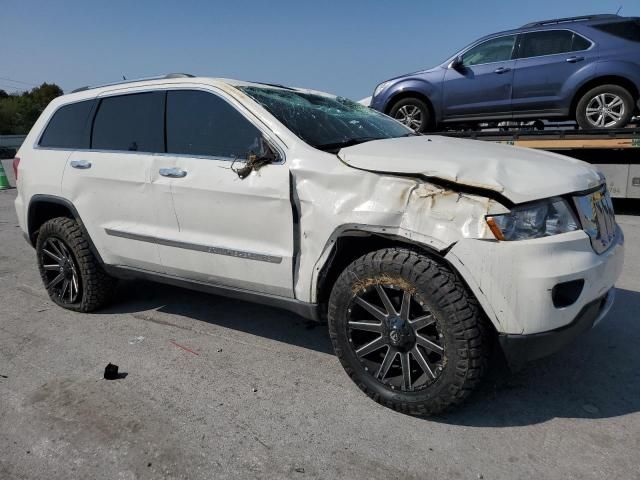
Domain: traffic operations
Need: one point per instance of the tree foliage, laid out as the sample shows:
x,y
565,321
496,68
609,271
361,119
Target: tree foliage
x,y
19,112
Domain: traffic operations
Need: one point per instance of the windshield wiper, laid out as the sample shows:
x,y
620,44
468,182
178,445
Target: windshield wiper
x,y
335,147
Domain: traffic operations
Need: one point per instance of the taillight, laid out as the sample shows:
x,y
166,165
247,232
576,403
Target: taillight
x,y
16,162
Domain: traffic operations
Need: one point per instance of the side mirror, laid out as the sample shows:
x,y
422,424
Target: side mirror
x,y
255,161
457,63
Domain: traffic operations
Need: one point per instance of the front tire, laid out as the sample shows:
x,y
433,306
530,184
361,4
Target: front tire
x,y
407,331
605,107
70,272
414,113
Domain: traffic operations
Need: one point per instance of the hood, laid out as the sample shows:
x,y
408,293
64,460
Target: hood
x,y
519,174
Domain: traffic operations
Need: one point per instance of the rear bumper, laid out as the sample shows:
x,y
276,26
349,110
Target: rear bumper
x,y
520,349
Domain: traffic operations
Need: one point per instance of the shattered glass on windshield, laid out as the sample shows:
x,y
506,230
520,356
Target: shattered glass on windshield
x,y
326,122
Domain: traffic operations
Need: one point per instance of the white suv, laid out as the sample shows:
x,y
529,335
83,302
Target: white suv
x,y
423,253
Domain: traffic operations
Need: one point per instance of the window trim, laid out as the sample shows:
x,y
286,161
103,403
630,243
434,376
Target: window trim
x,y
516,47
523,34
273,139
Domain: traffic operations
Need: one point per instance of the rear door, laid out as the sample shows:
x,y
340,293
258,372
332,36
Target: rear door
x,y
546,60
481,86
109,183
231,231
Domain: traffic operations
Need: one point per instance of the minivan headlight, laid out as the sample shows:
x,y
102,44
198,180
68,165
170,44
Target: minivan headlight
x,y
380,88
535,220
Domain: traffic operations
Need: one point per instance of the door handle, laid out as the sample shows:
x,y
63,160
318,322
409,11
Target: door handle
x,y
574,59
501,70
81,164
173,172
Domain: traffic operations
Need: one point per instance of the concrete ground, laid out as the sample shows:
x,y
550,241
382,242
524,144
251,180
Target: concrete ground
x,y
218,388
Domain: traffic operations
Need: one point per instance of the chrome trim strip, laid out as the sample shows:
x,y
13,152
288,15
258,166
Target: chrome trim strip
x,y
260,257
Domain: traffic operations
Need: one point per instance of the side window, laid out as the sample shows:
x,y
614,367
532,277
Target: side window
x,y
579,43
551,42
130,122
629,30
495,50
201,123
69,126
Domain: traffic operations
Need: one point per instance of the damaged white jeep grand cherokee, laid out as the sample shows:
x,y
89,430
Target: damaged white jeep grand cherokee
x,y
422,253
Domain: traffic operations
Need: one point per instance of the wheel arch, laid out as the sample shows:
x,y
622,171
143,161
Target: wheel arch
x,y
43,208
352,244
603,80
410,94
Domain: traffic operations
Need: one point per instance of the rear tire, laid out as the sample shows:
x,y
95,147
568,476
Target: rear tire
x,y
72,276
605,107
414,113
440,347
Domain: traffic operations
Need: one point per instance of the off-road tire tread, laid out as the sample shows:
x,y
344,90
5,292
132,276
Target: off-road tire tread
x,y
97,286
465,317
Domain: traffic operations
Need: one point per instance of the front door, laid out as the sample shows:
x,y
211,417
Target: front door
x,y
481,86
231,231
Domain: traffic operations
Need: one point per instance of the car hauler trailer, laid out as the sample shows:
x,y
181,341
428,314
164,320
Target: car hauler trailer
x,y
615,152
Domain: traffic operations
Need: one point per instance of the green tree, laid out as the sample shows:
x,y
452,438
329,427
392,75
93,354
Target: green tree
x,y
18,113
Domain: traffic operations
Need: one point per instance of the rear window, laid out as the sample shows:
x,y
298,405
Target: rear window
x,y
130,122
629,30
69,127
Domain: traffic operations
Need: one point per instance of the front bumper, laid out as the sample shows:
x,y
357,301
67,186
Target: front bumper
x,y
520,349
514,281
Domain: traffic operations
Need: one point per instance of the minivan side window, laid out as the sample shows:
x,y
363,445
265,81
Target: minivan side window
x,y
551,42
201,123
132,122
495,50
69,127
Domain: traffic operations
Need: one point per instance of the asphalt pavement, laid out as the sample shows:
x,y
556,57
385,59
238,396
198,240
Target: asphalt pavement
x,y
218,388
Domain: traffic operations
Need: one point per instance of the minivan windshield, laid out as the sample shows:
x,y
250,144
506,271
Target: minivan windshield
x,y
325,122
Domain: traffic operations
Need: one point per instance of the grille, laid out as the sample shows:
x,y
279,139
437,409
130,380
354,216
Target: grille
x,y
597,218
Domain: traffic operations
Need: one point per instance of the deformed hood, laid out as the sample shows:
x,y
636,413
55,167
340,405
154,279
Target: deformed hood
x,y
519,174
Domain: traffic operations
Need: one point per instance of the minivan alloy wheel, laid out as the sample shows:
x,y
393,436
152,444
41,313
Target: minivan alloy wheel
x,y
395,338
605,110
410,115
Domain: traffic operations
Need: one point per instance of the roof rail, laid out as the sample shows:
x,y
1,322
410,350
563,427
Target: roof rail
x,y
158,77
582,18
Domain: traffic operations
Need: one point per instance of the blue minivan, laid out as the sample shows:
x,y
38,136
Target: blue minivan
x,y
585,69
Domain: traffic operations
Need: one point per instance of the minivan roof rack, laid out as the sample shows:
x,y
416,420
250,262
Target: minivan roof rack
x,y
582,18
158,77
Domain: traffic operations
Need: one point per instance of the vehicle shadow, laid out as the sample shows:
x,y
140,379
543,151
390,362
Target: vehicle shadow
x,y
598,376
136,296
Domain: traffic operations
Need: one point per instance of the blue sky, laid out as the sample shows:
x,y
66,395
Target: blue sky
x,y
344,47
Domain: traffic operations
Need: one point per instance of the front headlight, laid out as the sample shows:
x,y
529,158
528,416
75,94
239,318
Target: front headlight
x,y
380,88
539,219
